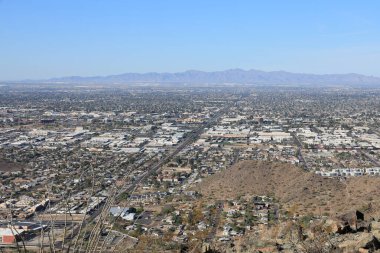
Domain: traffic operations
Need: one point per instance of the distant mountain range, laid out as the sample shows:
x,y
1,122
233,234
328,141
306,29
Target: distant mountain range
x,y
238,76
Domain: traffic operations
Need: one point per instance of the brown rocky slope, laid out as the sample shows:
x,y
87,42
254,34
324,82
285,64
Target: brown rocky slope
x,y
297,190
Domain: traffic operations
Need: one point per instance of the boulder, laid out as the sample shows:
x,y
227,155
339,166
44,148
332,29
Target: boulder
x,y
375,225
363,226
376,233
339,226
360,240
332,225
373,245
352,222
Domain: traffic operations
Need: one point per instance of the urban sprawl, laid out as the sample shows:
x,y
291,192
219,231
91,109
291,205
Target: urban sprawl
x,y
96,168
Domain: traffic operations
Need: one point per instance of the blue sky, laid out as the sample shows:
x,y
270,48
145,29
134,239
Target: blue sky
x,y
47,38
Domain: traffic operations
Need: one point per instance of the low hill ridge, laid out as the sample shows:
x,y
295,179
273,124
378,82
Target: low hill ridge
x,y
293,187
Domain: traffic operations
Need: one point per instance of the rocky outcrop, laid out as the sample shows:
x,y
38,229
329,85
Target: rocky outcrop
x,y
354,233
357,242
350,223
375,226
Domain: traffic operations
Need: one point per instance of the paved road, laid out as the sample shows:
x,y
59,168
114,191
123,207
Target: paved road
x,y
300,156
190,139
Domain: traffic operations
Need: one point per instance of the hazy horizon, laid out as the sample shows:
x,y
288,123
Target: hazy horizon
x,y
190,70
46,39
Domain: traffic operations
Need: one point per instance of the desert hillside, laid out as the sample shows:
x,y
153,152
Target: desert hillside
x,y
6,166
294,188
